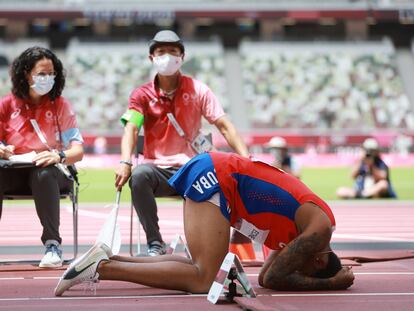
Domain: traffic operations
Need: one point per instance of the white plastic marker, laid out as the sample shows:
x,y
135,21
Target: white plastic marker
x,y
222,281
218,285
110,233
178,240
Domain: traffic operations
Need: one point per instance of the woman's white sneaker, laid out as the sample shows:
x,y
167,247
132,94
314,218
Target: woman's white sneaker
x,y
53,255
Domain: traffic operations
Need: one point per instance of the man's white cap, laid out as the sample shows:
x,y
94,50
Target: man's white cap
x,y
370,144
276,142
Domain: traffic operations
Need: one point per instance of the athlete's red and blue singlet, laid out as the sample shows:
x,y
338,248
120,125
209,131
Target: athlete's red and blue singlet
x,y
257,199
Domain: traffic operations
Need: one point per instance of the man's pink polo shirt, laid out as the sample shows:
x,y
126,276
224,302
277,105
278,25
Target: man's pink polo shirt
x,y
16,129
192,100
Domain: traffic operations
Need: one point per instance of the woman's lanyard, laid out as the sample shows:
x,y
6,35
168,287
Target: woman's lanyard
x,y
58,135
40,134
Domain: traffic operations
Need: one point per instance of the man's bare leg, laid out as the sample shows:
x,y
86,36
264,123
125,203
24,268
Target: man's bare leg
x,y
207,234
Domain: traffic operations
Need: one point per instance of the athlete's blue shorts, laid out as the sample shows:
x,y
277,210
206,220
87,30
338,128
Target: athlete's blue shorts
x,y
197,180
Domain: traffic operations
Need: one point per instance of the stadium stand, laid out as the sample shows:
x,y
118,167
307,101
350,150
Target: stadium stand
x,y
337,87
99,79
4,75
331,85
220,3
101,76
8,51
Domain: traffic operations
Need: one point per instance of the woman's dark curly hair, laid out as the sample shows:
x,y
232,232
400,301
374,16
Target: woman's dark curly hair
x,y
23,64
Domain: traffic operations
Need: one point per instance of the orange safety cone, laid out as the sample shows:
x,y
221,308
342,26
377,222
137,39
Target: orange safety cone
x,y
242,247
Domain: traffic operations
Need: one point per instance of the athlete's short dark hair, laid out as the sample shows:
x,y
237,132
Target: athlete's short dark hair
x,y
331,269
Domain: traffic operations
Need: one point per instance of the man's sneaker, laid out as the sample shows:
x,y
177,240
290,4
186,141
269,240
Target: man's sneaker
x,y
84,268
156,248
53,256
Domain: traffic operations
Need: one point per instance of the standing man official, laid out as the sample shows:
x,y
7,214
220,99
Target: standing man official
x,y
170,108
282,158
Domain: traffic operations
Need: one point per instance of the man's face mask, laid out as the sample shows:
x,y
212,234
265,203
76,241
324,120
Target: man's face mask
x,y
167,64
43,84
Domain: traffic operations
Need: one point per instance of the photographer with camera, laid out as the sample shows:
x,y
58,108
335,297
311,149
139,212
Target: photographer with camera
x,y
371,175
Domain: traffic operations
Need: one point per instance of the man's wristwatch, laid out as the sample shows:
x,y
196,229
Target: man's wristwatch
x,y
62,157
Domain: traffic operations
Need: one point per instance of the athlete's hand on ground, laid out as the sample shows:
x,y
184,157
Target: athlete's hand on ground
x,y
122,175
46,158
344,278
6,151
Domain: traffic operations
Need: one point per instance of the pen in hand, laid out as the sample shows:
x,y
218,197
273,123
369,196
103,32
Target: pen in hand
x,y
6,151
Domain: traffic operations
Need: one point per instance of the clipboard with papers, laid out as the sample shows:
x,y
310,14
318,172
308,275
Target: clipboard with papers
x,y
18,161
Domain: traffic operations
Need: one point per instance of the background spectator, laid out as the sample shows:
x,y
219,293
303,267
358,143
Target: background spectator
x,y
371,175
282,158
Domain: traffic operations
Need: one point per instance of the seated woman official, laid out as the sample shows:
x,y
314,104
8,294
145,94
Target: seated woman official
x,y
35,118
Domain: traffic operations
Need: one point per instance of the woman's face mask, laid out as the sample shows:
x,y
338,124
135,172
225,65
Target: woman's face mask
x,y
43,84
167,64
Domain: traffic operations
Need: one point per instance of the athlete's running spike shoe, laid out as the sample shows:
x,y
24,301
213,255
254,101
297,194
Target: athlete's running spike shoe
x,y
84,268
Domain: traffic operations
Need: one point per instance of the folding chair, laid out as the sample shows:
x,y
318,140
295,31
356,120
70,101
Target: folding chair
x,y
72,194
139,150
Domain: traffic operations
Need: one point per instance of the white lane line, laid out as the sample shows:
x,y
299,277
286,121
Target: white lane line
x,y
384,273
358,273
337,294
126,219
104,297
369,238
203,295
30,278
248,274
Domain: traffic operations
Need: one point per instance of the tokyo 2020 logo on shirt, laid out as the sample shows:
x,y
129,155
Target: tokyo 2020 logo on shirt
x,y
49,116
188,98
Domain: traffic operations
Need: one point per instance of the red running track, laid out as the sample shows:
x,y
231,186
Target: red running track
x,y
371,228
